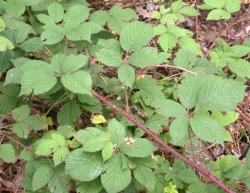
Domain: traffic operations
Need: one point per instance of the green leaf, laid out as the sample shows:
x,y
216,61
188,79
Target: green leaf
x,y
190,11
225,118
68,113
179,130
83,166
58,183
119,17
36,122
2,25
55,11
240,67
107,151
42,176
45,19
100,17
76,13
79,82
95,143
116,178
7,153
5,44
187,176
215,4
60,155
126,74
21,113
167,41
137,147
21,130
185,59
219,94
188,91
46,147
207,129
82,32
232,6
15,8
73,63
37,81
160,29
218,14
147,56
94,186
52,34
135,35
171,108
156,122
109,57
31,45
145,176
117,131
189,43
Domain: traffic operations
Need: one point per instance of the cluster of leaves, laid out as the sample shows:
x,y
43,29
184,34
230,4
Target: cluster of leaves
x,y
220,9
53,53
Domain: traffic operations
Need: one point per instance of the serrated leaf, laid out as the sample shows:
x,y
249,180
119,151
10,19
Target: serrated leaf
x,y
68,113
98,119
7,153
83,166
167,41
179,130
145,176
5,44
117,131
15,8
248,159
147,56
189,43
207,129
60,155
218,14
118,18
126,74
160,29
58,183
171,108
100,17
37,81
190,11
156,122
42,176
215,4
36,122
94,144
94,186
107,151
225,118
31,45
135,35
79,82
232,6
109,57
240,67
140,148
115,179
73,63
45,19
220,94
21,113
52,34
83,31
21,130
76,13
55,11
46,147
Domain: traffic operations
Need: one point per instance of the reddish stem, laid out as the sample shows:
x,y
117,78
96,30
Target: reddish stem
x,y
167,148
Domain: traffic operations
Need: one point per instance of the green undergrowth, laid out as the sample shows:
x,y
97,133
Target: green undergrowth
x,y
53,53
